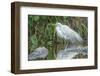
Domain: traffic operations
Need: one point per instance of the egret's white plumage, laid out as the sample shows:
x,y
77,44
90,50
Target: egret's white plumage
x,y
38,53
68,34
65,32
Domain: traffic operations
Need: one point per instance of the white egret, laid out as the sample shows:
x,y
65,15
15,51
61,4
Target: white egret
x,y
68,34
38,53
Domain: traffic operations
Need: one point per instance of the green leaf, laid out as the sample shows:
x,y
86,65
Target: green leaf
x,y
49,43
34,40
44,17
36,18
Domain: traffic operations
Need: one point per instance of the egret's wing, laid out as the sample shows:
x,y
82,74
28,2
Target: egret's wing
x,y
72,35
62,32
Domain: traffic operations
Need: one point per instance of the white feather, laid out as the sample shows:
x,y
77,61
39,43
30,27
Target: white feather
x,y
65,32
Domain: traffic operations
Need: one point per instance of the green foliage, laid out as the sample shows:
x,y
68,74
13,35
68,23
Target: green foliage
x,y
41,32
36,18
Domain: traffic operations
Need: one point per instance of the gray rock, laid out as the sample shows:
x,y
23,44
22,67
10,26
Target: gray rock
x,y
38,53
69,53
